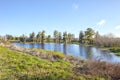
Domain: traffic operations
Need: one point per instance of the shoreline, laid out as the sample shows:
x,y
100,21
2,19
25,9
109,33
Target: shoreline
x,y
109,49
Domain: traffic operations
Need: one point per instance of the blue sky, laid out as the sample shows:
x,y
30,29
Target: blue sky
x,y
19,17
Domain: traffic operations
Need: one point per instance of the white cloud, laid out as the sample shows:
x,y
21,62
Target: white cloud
x,y
101,23
117,27
75,6
117,35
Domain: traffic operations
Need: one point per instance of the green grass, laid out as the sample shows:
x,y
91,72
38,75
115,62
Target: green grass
x,y
115,50
47,52
16,65
21,66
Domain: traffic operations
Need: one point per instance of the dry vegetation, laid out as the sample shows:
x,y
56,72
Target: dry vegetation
x,y
101,69
107,41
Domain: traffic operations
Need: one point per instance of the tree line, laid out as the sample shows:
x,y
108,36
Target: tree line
x,y
89,36
41,37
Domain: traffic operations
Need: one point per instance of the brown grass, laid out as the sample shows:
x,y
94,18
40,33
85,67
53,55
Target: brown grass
x,y
101,69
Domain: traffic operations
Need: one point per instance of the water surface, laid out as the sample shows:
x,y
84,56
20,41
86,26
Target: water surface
x,y
92,53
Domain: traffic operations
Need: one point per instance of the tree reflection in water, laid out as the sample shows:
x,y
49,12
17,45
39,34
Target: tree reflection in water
x,y
75,50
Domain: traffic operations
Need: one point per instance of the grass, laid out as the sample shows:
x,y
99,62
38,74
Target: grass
x,y
104,48
48,52
16,65
115,50
23,66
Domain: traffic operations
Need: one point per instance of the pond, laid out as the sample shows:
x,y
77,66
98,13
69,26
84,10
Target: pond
x,y
90,53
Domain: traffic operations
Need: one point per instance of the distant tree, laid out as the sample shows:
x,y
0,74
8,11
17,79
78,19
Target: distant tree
x,y
88,37
9,37
48,38
81,36
17,38
59,37
38,37
65,37
70,37
32,37
55,36
3,38
43,37
23,38
97,38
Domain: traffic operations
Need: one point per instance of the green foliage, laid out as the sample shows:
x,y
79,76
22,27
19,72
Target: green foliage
x,y
56,35
32,37
16,65
65,37
54,53
115,50
70,37
43,37
23,38
9,37
22,66
81,35
49,38
88,37
60,37
38,37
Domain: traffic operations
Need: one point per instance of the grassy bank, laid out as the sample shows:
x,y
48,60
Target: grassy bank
x,y
17,65
34,64
115,50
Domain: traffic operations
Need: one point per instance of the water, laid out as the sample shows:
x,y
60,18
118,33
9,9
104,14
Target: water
x,y
92,53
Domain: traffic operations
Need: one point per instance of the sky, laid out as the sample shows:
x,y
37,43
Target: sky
x,y
19,17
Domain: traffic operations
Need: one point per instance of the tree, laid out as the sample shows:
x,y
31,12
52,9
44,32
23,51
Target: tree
x,y
23,38
89,33
59,36
43,37
38,37
70,37
65,37
97,38
55,36
81,36
9,37
48,38
32,37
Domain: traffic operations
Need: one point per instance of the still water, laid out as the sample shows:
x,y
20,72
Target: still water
x,y
75,50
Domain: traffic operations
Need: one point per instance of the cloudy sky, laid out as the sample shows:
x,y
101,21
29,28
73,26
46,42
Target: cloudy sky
x,y
24,16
